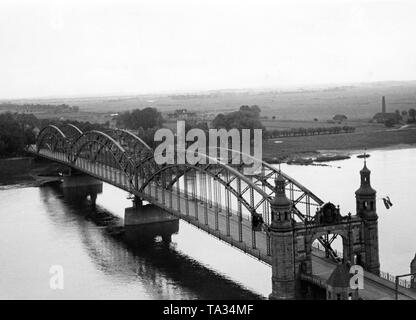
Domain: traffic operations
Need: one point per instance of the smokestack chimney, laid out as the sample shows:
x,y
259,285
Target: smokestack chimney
x,y
383,104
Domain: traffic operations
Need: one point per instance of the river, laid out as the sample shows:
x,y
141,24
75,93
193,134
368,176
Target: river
x,y
39,229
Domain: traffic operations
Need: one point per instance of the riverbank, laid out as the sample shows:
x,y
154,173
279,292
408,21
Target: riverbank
x,y
40,172
311,150
290,149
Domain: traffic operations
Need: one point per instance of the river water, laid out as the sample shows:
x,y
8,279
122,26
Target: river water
x,y
39,229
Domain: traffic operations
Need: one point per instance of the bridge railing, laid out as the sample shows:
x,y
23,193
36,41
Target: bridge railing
x,y
221,208
405,283
115,175
314,279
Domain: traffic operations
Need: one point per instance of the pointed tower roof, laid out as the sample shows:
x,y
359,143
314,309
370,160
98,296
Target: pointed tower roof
x,y
413,263
281,201
365,169
365,186
340,277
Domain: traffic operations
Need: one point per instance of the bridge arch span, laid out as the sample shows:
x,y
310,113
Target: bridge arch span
x,y
71,131
133,144
241,187
302,198
99,147
53,139
298,193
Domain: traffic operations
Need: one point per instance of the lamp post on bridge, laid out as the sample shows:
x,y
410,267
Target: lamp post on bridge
x,y
413,275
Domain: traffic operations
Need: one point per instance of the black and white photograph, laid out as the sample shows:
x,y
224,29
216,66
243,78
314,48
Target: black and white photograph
x,y
207,150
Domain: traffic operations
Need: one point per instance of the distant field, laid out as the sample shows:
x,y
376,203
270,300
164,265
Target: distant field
x,y
363,138
92,117
356,102
289,124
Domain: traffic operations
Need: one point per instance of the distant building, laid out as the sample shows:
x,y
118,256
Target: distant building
x,y
384,116
112,123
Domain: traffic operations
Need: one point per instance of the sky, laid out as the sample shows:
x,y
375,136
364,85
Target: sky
x,y
87,47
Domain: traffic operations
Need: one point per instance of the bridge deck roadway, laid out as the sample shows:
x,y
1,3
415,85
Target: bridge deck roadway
x,y
374,287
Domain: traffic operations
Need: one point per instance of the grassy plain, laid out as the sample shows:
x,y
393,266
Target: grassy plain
x,y
292,108
356,101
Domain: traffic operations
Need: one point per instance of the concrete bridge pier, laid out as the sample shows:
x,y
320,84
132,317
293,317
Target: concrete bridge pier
x,y
137,202
77,187
142,223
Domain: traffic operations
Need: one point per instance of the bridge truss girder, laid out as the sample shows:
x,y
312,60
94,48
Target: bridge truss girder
x,y
124,150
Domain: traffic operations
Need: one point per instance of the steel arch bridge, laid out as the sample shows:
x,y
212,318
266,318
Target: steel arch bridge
x,y
216,196
221,199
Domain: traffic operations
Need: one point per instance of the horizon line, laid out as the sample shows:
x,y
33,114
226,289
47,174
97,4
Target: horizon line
x,y
285,88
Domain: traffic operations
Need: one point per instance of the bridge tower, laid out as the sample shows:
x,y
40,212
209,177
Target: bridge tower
x,y
366,209
282,246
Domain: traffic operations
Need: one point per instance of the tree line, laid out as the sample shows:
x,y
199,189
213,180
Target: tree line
x,y
143,122
30,107
14,135
411,113
18,130
247,117
296,132
148,118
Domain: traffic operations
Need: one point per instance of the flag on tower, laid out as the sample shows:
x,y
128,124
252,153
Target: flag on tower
x,y
387,202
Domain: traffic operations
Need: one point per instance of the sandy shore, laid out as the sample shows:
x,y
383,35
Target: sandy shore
x,y
333,155
352,152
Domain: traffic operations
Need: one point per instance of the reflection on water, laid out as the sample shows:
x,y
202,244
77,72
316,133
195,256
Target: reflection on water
x,y
44,230
39,229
